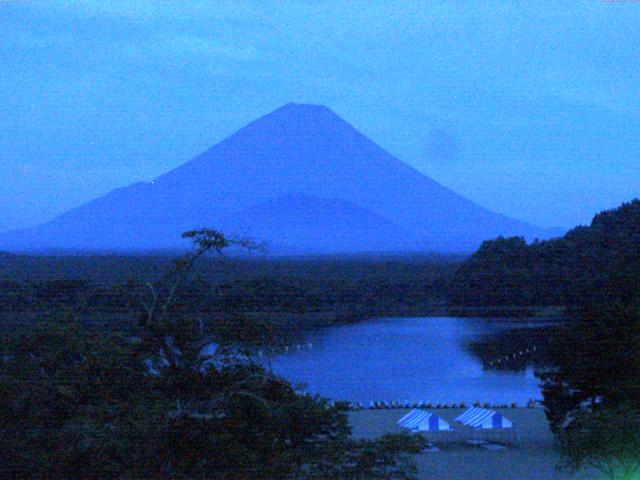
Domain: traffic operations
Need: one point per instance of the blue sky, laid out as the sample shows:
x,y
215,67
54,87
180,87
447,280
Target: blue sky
x,y
530,109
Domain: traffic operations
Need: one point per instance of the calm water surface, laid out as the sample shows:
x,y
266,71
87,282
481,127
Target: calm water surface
x,y
405,359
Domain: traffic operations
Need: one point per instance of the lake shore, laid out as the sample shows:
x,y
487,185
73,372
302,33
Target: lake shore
x,y
333,318
534,458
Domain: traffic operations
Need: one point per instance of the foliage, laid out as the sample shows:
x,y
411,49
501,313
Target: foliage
x,y
76,403
607,439
110,287
592,392
388,458
64,393
600,263
594,368
596,362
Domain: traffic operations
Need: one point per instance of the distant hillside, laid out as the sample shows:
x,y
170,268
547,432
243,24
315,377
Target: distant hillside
x,y
330,225
297,149
597,263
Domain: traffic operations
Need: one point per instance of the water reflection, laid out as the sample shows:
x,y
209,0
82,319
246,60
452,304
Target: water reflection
x,y
410,359
515,349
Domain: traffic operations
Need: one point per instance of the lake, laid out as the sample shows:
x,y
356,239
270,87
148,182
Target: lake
x,y
410,359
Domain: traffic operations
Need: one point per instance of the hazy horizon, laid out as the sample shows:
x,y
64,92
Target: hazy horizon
x,y
530,111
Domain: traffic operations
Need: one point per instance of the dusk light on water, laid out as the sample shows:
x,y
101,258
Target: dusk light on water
x,y
329,240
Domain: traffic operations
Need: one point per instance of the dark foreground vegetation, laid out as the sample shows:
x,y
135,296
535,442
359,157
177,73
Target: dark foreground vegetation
x,y
599,263
82,403
103,371
591,389
591,377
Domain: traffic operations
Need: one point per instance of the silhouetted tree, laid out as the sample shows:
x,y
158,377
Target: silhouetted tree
x,y
76,403
592,393
597,264
607,439
596,363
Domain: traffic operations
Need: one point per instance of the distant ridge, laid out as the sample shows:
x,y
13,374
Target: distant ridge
x,y
301,220
301,159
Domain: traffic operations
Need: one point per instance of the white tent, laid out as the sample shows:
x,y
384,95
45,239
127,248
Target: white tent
x,y
423,421
477,417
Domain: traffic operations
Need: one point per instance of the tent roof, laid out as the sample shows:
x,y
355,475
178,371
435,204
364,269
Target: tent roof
x,y
477,417
422,420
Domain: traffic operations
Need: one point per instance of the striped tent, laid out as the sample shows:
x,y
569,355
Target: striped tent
x,y
477,417
423,421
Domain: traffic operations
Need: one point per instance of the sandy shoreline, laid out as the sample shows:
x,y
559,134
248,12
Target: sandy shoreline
x,y
535,458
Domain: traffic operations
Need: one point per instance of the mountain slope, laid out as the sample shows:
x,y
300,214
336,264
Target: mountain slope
x,y
326,225
297,148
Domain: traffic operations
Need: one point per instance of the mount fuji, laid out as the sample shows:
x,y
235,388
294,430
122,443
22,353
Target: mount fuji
x,y
301,179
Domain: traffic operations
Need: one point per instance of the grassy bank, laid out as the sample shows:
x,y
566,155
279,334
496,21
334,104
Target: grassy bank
x,y
535,458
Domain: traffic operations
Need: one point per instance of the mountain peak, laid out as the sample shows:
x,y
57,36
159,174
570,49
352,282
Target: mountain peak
x,y
303,108
303,113
301,154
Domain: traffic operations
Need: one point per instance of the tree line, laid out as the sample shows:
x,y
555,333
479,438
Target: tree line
x,y
350,288
599,262
591,379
